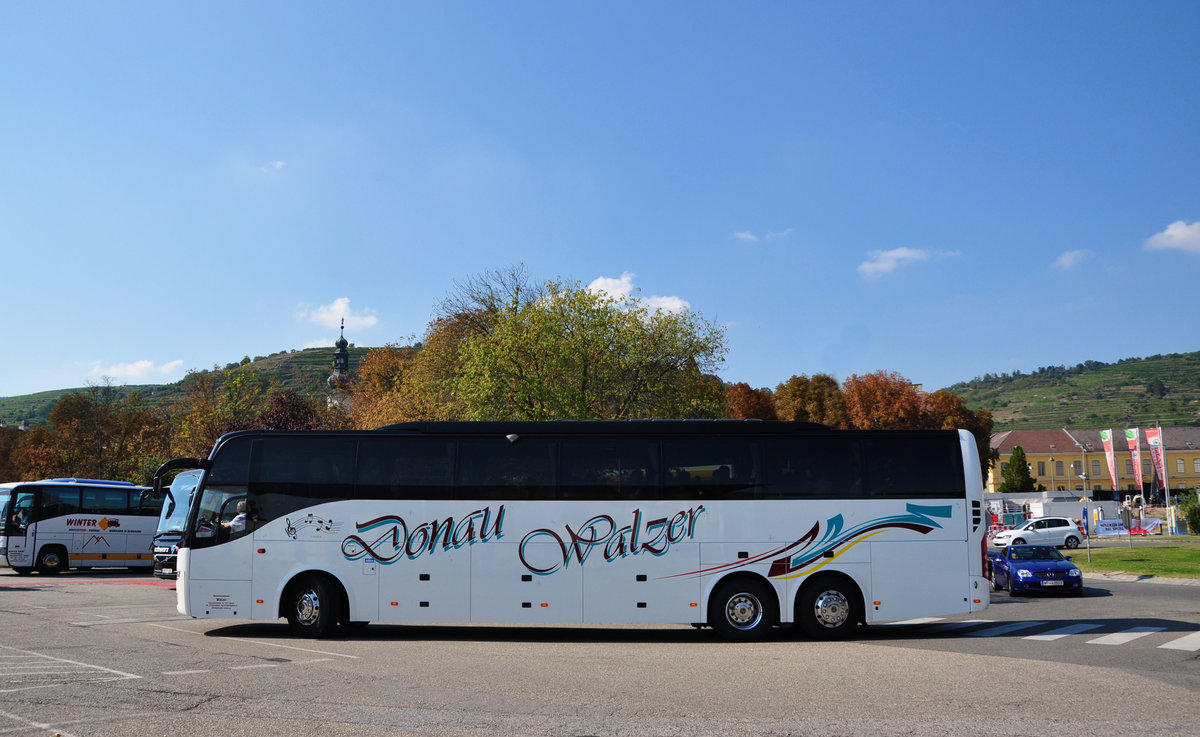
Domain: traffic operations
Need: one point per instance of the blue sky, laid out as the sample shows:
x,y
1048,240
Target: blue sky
x,y
943,190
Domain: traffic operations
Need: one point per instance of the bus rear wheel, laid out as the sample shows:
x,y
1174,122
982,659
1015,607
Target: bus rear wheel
x,y
742,610
827,608
52,561
311,606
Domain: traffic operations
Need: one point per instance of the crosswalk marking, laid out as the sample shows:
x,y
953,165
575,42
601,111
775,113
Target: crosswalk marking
x,y
1004,629
1071,629
1129,635
1187,642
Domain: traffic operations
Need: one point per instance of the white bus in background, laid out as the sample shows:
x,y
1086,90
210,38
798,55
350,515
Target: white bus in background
x,y
737,525
4,489
57,524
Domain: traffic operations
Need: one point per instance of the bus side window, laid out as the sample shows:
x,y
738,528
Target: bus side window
x,y
499,469
58,501
906,466
813,468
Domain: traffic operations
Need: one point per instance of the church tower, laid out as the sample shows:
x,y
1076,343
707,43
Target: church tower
x,y
341,369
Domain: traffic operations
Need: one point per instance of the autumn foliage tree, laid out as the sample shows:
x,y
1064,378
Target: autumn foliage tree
x,y
96,433
217,402
743,402
818,399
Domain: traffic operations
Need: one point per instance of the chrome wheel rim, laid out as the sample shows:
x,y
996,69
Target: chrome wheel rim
x,y
743,611
308,607
831,609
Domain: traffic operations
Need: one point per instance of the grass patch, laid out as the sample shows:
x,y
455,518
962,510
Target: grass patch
x,y
1171,560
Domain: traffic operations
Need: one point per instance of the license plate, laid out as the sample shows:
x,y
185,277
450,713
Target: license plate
x,y
172,570
1052,583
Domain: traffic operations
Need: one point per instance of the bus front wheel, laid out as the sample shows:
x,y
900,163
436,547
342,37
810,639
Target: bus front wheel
x,y
742,610
827,608
52,561
311,606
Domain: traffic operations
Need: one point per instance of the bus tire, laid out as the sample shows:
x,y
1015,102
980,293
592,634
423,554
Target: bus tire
x,y
310,604
743,609
828,607
52,560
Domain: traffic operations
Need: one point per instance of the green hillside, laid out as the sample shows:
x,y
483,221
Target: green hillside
x,y
303,371
1134,391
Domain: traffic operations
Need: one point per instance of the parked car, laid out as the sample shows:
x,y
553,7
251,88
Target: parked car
x,y
1058,531
1033,568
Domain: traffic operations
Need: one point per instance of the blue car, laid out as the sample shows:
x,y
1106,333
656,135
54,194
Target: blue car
x,y
1034,568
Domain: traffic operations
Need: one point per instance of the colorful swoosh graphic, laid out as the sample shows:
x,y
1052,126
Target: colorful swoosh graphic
x,y
817,547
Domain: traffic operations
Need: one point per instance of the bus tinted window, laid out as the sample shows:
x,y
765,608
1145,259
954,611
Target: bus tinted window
x,y
58,501
100,500
290,472
608,469
499,469
814,467
913,466
405,468
711,469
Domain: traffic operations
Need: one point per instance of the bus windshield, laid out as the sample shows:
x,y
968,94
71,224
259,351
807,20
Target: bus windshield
x,y
175,507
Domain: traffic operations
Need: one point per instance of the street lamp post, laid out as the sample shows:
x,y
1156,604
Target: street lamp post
x,y
1087,498
1087,513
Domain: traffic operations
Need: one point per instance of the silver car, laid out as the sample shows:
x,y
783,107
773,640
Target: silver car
x,y
1057,531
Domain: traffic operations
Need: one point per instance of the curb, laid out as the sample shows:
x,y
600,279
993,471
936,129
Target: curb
x,y
1131,578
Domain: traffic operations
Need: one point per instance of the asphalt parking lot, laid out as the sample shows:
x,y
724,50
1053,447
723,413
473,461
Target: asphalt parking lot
x,y
106,654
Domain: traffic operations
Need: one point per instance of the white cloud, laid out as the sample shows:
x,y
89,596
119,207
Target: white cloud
x,y
1071,259
331,316
620,287
623,287
746,236
137,372
1180,235
879,263
272,166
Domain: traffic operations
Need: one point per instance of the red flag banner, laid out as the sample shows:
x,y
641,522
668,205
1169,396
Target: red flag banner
x,y
1134,441
1107,439
1155,441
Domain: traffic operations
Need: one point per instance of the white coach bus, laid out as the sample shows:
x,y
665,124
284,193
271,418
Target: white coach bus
x,y
738,525
56,524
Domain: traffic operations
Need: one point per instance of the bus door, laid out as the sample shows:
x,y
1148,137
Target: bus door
x,y
20,529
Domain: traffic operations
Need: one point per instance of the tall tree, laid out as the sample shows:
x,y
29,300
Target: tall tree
x,y
743,402
96,433
1016,476
217,402
882,400
288,411
580,354
818,399
377,389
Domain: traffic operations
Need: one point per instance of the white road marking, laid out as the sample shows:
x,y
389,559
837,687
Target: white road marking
x,y
1129,635
1004,629
257,642
34,725
1071,629
1187,642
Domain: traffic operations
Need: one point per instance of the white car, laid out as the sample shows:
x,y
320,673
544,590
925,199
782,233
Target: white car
x,y
1057,531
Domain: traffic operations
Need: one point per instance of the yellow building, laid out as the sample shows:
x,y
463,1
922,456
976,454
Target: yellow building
x,y
1074,460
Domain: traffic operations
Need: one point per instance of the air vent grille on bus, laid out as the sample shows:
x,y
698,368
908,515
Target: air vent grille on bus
x,y
976,515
